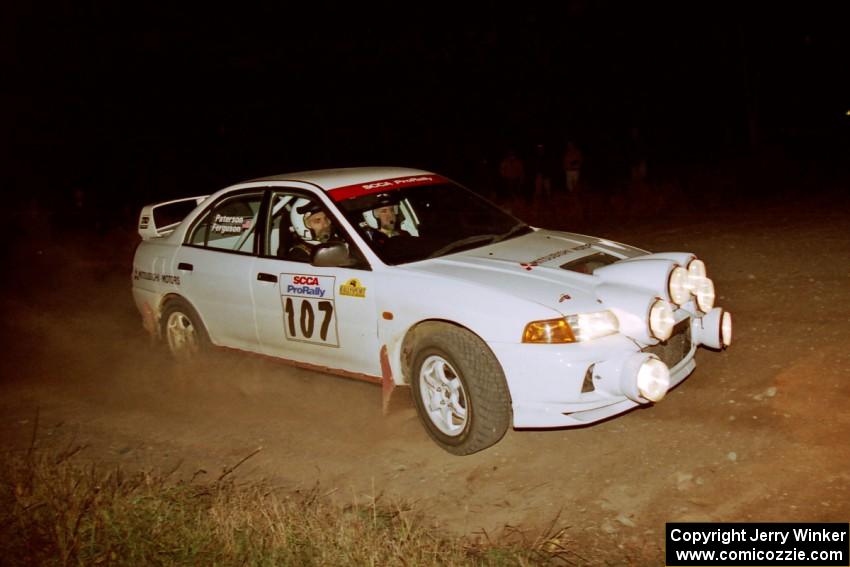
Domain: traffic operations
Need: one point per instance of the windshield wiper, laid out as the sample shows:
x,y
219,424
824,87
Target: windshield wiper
x,y
469,241
517,228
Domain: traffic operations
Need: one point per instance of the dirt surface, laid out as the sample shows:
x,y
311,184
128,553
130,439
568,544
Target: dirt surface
x,y
757,433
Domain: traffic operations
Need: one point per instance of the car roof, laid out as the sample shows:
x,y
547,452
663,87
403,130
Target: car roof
x,y
330,179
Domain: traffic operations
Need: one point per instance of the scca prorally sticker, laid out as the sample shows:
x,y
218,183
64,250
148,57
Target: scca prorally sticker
x,y
307,286
155,277
349,191
352,288
399,182
309,309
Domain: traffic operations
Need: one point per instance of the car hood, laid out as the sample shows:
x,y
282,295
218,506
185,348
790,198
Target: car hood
x,y
535,266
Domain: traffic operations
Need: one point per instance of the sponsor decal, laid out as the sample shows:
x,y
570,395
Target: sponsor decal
x,y
224,224
155,277
306,285
352,288
564,297
349,191
549,257
309,311
402,181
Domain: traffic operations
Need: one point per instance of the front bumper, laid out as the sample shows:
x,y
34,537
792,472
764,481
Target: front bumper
x,y
581,383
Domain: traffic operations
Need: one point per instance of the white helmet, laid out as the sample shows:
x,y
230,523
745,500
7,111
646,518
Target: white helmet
x,y
371,219
301,210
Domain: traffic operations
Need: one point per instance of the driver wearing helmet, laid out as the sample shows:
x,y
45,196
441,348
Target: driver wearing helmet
x,y
312,226
382,222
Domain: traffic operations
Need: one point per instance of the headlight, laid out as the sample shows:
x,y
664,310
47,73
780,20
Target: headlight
x,y
661,320
653,379
696,271
572,328
700,285
726,328
587,326
678,286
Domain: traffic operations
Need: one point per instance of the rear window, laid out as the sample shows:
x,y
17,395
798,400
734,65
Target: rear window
x,y
167,215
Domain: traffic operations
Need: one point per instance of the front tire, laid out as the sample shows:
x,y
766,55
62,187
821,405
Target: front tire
x,y
182,331
459,389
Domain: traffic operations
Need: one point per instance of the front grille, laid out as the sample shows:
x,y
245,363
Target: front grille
x,y
676,347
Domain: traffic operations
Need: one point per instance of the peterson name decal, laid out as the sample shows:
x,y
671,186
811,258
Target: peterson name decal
x,y
225,224
352,288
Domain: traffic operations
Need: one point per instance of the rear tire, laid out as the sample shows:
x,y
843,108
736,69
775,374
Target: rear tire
x,y
459,388
182,331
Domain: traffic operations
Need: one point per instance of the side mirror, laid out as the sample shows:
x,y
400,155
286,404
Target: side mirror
x,y
331,255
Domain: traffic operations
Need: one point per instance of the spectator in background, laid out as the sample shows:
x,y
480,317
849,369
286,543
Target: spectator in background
x,y
572,163
511,175
637,155
542,190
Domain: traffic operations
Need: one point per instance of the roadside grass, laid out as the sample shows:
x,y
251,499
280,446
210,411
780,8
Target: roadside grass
x,y
56,509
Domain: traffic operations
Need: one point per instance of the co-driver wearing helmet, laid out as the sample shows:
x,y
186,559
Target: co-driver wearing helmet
x,y
382,222
312,226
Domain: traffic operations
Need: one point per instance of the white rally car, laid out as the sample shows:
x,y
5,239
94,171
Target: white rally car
x,y
491,322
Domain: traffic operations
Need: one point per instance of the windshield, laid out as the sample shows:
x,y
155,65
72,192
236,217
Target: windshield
x,y
416,223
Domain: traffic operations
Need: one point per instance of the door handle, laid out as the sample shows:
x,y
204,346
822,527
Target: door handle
x,y
185,266
263,277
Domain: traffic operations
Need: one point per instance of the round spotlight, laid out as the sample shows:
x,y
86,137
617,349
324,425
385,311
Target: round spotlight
x,y
696,272
726,329
653,379
678,286
705,295
661,320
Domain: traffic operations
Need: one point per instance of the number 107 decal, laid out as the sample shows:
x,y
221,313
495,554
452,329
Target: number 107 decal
x,y
309,313
310,321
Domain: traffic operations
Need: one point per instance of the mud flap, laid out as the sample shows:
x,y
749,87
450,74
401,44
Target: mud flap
x,y
388,385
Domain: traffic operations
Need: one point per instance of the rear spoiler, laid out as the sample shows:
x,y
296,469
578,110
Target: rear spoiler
x,y
161,219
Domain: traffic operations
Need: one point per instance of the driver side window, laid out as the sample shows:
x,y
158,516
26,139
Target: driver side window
x,y
298,224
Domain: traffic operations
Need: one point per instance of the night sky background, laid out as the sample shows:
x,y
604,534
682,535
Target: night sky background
x,y
133,103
